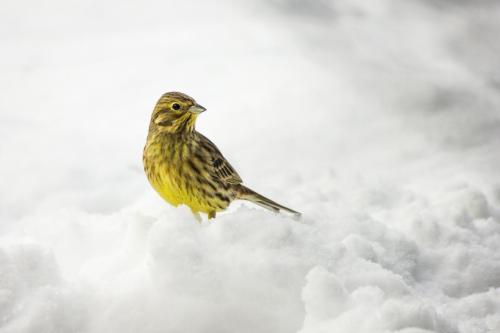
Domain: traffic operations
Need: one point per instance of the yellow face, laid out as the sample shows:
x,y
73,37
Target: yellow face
x,y
175,112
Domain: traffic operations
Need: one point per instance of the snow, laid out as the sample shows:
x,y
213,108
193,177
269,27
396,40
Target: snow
x,y
377,120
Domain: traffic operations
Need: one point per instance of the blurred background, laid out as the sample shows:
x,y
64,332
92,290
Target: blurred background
x,y
344,110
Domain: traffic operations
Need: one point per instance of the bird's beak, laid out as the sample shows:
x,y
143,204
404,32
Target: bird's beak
x,y
196,109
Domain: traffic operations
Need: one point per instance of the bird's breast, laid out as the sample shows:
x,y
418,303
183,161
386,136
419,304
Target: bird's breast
x,y
179,172
161,168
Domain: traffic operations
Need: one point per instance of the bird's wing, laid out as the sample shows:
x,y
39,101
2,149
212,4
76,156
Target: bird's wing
x,y
225,171
219,165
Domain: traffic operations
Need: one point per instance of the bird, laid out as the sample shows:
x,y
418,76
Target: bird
x,y
185,167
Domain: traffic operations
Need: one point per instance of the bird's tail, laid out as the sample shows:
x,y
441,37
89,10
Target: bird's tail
x,y
247,194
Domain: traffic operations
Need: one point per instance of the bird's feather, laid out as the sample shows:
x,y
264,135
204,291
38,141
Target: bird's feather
x,y
219,165
225,171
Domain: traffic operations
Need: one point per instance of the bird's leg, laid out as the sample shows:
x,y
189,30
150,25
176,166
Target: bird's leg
x,y
211,215
197,216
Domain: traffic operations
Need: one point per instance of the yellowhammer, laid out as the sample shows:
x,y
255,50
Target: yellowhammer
x,y
185,167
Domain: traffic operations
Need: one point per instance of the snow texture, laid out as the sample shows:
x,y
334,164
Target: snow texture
x,y
379,120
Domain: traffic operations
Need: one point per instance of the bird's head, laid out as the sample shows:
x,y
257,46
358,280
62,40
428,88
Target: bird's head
x,y
175,112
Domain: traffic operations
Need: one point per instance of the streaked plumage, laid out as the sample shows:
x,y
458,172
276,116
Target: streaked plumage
x,y
185,167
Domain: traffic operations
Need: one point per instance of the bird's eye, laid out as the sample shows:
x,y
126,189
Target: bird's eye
x,y
176,106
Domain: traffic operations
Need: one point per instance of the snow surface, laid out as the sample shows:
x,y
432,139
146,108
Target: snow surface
x,y
379,120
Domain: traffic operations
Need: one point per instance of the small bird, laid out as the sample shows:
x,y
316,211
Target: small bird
x,y
185,167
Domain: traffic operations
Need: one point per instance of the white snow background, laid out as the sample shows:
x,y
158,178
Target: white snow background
x,y
379,120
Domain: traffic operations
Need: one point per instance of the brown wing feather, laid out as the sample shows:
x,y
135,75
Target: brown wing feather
x,y
220,166
225,171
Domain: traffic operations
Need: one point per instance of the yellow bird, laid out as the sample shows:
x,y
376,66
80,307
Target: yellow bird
x,y
185,167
